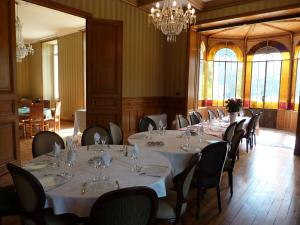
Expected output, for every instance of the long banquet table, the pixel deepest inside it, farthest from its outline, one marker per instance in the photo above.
(172, 146)
(68, 198)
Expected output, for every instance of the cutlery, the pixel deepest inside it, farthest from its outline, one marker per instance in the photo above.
(158, 165)
(83, 189)
(117, 184)
(149, 175)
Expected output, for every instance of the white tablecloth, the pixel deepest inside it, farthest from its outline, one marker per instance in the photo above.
(68, 199)
(171, 149)
(80, 120)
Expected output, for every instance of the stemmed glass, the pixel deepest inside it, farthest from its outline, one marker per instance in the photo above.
(103, 141)
(200, 132)
(97, 163)
(164, 128)
(150, 129)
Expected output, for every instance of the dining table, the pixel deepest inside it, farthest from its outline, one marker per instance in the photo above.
(24, 112)
(77, 194)
(173, 145)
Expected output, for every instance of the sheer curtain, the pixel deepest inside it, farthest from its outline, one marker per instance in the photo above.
(48, 72)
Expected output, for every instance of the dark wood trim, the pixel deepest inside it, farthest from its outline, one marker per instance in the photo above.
(61, 7)
(213, 5)
(297, 144)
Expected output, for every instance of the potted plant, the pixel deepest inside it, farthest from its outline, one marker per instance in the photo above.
(233, 106)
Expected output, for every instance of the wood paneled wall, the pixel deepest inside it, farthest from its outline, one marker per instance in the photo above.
(287, 120)
(71, 80)
(144, 47)
(133, 109)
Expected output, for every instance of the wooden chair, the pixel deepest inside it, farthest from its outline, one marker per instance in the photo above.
(88, 135)
(128, 206)
(229, 132)
(182, 121)
(221, 113)
(116, 133)
(249, 133)
(211, 114)
(194, 118)
(32, 198)
(55, 120)
(36, 119)
(144, 124)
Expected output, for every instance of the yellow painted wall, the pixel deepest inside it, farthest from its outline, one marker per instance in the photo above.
(23, 88)
(71, 80)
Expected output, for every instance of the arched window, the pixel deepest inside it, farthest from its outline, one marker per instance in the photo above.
(297, 92)
(266, 72)
(225, 70)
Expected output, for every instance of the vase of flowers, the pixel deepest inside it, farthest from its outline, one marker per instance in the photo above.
(233, 106)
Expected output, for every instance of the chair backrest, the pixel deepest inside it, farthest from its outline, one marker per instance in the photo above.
(239, 125)
(25, 102)
(182, 121)
(88, 135)
(232, 153)
(211, 114)
(221, 113)
(43, 143)
(212, 161)
(250, 126)
(57, 109)
(229, 132)
(194, 119)
(46, 103)
(182, 183)
(199, 116)
(144, 124)
(31, 196)
(128, 206)
(257, 118)
(116, 133)
(37, 112)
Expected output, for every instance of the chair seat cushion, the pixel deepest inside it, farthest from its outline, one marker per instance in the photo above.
(166, 206)
(63, 219)
(209, 182)
(8, 201)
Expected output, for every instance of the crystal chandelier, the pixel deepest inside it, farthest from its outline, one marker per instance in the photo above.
(22, 49)
(172, 19)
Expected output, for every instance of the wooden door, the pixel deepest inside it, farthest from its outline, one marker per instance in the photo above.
(104, 71)
(9, 140)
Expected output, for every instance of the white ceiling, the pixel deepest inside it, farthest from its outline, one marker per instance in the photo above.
(42, 23)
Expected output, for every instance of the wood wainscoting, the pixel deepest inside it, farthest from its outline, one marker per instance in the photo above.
(133, 109)
(287, 120)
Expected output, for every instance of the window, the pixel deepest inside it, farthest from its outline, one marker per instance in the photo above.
(55, 63)
(225, 72)
(265, 83)
(201, 73)
(297, 92)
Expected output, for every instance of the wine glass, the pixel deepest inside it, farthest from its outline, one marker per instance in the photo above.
(103, 140)
(200, 132)
(97, 163)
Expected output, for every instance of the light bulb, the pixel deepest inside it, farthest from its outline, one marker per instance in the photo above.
(157, 5)
(174, 3)
(157, 14)
(152, 10)
(189, 6)
(172, 17)
(193, 11)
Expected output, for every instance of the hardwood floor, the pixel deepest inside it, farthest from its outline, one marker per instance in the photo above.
(266, 191)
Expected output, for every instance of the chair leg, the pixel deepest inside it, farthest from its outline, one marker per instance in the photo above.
(238, 154)
(247, 145)
(230, 178)
(254, 139)
(219, 198)
(198, 202)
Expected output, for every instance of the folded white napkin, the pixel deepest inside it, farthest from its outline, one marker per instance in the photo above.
(106, 158)
(97, 138)
(150, 127)
(161, 124)
(56, 149)
(69, 142)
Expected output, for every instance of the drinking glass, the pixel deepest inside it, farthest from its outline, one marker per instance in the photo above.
(200, 132)
(164, 128)
(97, 163)
(103, 140)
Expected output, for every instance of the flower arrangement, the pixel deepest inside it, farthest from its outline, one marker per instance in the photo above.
(233, 105)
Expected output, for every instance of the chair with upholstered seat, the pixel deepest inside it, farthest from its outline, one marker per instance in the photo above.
(209, 170)
(182, 121)
(231, 157)
(43, 143)
(128, 206)
(199, 116)
(256, 125)
(32, 198)
(194, 119)
(240, 125)
(9, 205)
(229, 132)
(249, 133)
(220, 113)
(144, 124)
(88, 135)
(211, 115)
(172, 208)
(116, 133)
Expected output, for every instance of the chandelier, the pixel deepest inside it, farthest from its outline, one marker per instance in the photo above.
(172, 19)
(22, 49)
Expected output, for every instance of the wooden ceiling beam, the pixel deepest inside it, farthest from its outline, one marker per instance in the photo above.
(277, 28)
(221, 31)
